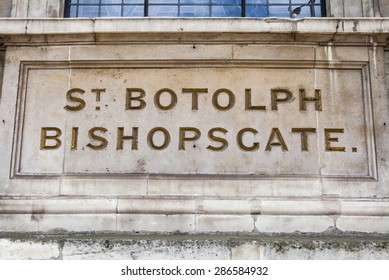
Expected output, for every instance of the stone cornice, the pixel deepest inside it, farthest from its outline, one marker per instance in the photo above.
(11, 26)
(267, 29)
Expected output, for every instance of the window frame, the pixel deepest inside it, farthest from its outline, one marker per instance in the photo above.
(242, 4)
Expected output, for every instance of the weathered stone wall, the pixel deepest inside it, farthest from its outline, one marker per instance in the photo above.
(384, 8)
(193, 247)
(353, 8)
(37, 9)
(5, 8)
(2, 61)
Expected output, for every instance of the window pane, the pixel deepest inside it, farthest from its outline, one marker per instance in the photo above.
(111, 1)
(163, 11)
(263, 2)
(226, 2)
(256, 11)
(280, 1)
(195, 1)
(194, 11)
(226, 11)
(73, 11)
(133, 11)
(163, 1)
(111, 11)
(87, 1)
(318, 11)
(133, 1)
(279, 11)
(88, 11)
(302, 2)
(307, 11)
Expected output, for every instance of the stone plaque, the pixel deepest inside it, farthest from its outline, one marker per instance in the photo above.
(96, 119)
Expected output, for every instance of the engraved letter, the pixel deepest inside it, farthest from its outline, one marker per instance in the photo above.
(103, 142)
(166, 136)
(224, 143)
(74, 138)
(45, 137)
(173, 99)
(248, 105)
(122, 137)
(231, 99)
(183, 137)
(239, 139)
(98, 92)
(304, 136)
(81, 102)
(316, 99)
(195, 95)
(139, 99)
(275, 133)
(275, 99)
(328, 139)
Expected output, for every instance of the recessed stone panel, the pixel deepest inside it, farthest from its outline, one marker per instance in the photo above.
(188, 118)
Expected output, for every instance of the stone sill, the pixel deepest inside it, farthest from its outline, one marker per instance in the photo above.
(324, 31)
(10, 26)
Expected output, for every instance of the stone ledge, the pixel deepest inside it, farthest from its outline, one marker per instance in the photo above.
(12, 26)
(172, 205)
(191, 223)
(178, 246)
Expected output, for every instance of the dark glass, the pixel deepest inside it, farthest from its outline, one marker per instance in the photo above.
(194, 8)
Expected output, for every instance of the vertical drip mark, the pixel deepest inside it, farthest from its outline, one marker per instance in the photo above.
(318, 138)
(374, 54)
(66, 122)
(117, 213)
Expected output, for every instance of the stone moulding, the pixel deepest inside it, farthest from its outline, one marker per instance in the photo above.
(26, 68)
(75, 31)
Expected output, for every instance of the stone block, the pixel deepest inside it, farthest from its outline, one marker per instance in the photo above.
(5, 8)
(384, 8)
(138, 249)
(353, 8)
(334, 249)
(290, 224)
(155, 223)
(336, 8)
(19, 223)
(20, 9)
(300, 207)
(12, 249)
(351, 189)
(365, 208)
(101, 187)
(20, 187)
(76, 223)
(248, 251)
(224, 223)
(338, 53)
(278, 53)
(213, 206)
(235, 187)
(37, 11)
(169, 52)
(368, 8)
(365, 224)
(156, 206)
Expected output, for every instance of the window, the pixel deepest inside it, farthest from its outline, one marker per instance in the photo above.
(195, 8)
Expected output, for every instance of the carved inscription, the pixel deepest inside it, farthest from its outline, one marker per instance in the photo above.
(194, 121)
(135, 101)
